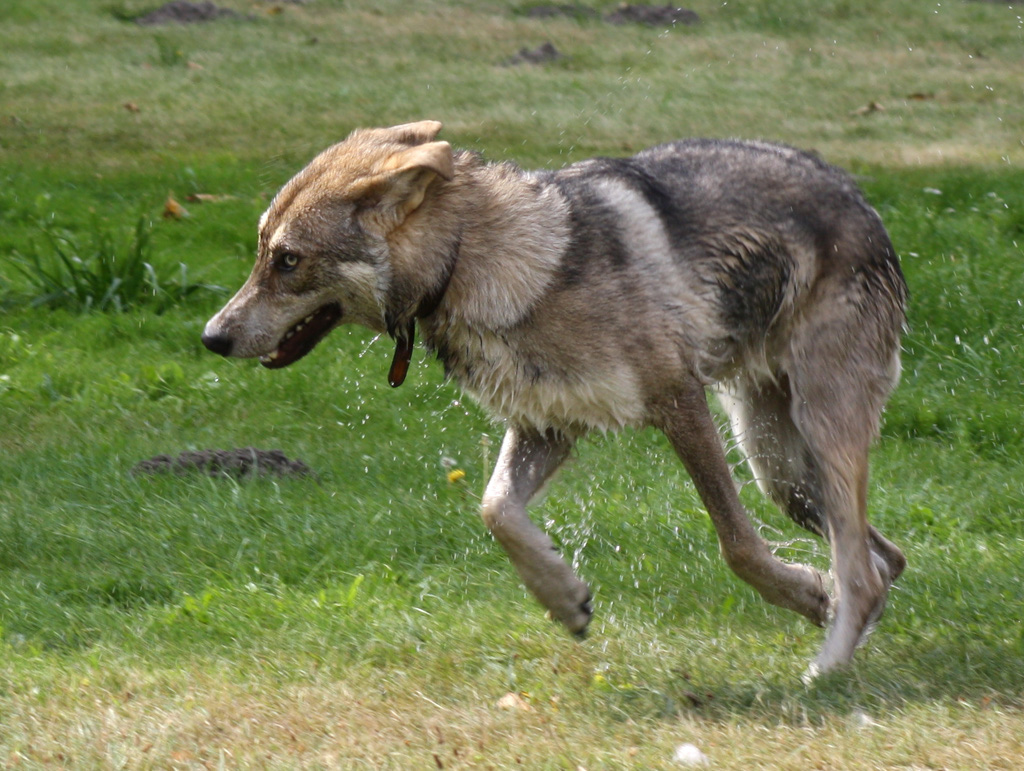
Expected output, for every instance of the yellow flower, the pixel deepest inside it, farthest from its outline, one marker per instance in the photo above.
(455, 475)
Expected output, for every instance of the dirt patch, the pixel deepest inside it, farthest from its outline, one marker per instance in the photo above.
(545, 52)
(185, 12)
(651, 15)
(551, 11)
(238, 463)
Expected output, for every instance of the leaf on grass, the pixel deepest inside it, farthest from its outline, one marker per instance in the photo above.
(512, 700)
(869, 108)
(131, 107)
(208, 198)
(174, 210)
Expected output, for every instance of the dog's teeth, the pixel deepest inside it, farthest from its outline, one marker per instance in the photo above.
(298, 327)
(269, 356)
(309, 318)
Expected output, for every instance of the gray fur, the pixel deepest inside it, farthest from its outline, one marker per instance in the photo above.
(612, 293)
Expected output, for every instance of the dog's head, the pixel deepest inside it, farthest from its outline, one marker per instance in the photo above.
(324, 256)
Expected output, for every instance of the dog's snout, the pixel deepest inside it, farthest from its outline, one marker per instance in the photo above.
(221, 344)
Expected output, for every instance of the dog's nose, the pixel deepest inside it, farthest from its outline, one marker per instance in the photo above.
(218, 343)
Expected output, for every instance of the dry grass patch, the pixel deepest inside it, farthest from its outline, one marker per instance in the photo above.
(385, 719)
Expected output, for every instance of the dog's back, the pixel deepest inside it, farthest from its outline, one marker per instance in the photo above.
(757, 224)
(694, 257)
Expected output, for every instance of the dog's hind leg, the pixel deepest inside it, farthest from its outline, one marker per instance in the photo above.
(841, 373)
(527, 459)
(686, 421)
(760, 412)
(887, 555)
(785, 470)
(821, 481)
(861, 579)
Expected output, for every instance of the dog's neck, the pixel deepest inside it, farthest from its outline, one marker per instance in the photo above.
(478, 255)
(510, 230)
(404, 338)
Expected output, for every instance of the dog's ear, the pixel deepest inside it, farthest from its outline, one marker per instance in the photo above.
(417, 133)
(432, 156)
(402, 184)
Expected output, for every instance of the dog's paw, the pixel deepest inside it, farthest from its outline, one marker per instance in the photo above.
(575, 614)
(587, 608)
(802, 590)
(819, 603)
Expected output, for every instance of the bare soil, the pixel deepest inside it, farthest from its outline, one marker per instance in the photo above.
(545, 52)
(636, 13)
(238, 463)
(186, 12)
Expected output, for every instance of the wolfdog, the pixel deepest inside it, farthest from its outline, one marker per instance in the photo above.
(616, 292)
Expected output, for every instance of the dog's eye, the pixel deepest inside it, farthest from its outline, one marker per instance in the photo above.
(287, 261)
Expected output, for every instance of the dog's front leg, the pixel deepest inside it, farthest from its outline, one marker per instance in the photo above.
(528, 458)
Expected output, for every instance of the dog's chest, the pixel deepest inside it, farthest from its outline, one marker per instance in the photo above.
(513, 382)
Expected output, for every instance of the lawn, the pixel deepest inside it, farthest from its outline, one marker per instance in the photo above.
(360, 616)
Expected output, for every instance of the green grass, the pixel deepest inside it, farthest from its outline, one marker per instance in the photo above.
(107, 273)
(363, 617)
(280, 87)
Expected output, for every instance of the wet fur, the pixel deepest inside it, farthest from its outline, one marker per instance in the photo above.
(613, 293)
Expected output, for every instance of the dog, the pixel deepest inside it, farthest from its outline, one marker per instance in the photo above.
(616, 292)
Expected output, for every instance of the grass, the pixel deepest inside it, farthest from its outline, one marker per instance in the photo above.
(106, 274)
(363, 618)
(283, 85)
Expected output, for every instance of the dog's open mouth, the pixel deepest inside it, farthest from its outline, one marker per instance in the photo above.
(303, 337)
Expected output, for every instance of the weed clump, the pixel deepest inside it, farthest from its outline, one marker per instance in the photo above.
(101, 273)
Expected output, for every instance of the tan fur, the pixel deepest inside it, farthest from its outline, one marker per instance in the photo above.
(607, 295)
